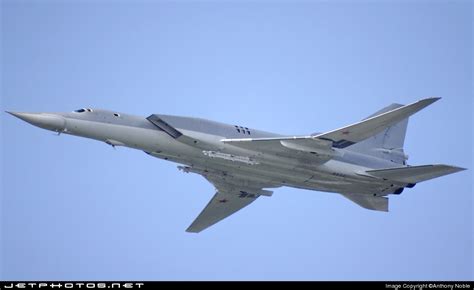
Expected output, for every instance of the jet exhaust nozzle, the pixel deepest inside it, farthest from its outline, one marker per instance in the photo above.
(399, 191)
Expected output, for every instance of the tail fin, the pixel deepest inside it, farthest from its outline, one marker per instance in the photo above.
(387, 144)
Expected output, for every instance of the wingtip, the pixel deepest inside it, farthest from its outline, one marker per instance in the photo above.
(425, 102)
(452, 167)
(431, 99)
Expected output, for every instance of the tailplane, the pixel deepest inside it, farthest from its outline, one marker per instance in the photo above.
(410, 175)
(414, 174)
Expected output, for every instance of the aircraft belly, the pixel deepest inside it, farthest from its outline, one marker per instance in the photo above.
(241, 163)
(277, 171)
(263, 172)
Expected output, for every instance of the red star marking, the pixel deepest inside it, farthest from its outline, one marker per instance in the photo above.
(345, 132)
(223, 200)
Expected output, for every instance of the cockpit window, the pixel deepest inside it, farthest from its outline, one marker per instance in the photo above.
(83, 110)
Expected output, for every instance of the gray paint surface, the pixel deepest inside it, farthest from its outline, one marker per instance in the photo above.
(241, 162)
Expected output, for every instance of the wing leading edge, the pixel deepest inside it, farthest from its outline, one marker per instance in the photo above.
(222, 205)
(232, 194)
(364, 129)
(339, 138)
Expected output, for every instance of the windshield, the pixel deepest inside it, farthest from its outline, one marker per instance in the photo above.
(83, 110)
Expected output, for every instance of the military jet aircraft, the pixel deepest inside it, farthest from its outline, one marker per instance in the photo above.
(363, 162)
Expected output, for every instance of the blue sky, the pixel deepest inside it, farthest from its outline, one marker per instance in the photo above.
(74, 208)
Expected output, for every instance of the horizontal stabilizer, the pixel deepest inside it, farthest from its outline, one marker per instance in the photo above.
(414, 174)
(369, 201)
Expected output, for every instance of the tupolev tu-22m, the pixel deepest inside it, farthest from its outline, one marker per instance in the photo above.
(363, 162)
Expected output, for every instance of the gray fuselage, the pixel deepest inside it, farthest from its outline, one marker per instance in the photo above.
(364, 161)
(208, 154)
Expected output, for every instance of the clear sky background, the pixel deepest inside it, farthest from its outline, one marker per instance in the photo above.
(74, 208)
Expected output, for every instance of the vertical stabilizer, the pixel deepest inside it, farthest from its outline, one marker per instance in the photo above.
(387, 144)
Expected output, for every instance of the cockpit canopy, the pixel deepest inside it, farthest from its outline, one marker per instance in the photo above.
(83, 110)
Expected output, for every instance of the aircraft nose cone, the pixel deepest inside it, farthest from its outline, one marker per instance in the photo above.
(18, 115)
(46, 121)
